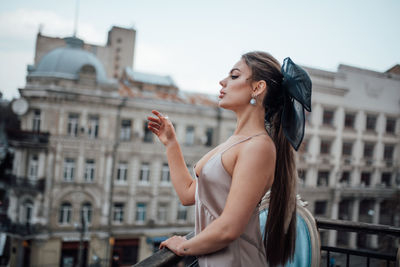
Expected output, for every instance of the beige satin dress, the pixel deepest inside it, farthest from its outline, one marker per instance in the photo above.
(212, 188)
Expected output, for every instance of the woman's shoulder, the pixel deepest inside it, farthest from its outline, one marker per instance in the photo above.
(259, 146)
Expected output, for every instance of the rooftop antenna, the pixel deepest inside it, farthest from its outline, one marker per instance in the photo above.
(76, 18)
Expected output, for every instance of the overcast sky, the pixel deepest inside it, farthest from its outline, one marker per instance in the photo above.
(197, 42)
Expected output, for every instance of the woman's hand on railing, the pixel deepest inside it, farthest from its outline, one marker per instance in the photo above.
(175, 244)
(162, 127)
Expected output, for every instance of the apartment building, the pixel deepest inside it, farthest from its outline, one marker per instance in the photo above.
(349, 161)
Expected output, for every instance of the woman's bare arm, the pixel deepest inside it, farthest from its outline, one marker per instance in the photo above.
(184, 184)
(252, 176)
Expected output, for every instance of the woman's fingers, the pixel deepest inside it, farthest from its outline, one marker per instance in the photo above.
(154, 124)
(154, 130)
(153, 119)
(159, 115)
(163, 244)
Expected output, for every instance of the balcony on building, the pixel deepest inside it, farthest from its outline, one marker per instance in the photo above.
(28, 139)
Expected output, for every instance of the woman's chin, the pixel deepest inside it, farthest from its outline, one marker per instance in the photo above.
(221, 103)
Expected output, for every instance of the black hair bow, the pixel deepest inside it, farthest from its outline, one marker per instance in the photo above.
(297, 89)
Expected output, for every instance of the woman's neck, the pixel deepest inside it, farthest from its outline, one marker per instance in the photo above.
(250, 121)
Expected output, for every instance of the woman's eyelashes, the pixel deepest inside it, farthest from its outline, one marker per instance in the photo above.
(233, 77)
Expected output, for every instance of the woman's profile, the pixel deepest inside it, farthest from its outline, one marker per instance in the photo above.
(268, 101)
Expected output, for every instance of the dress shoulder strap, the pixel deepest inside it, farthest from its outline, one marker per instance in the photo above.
(241, 141)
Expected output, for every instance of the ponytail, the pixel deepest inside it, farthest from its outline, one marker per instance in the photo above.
(280, 229)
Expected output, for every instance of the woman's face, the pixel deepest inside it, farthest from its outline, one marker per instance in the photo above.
(236, 88)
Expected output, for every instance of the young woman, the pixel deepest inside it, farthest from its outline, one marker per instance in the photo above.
(233, 177)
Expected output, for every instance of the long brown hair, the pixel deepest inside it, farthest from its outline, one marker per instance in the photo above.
(280, 229)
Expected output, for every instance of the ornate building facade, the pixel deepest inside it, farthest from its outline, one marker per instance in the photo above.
(117, 54)
(100, 166)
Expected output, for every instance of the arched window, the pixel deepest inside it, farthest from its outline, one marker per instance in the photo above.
(26, 212)
(86, 212)
(65, 213)
(88, 69)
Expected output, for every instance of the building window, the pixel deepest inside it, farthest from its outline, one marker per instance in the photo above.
(165, 177)
(345, 179)
(69, 169)
(368, 150)
(93, 126)
(390, 125)
(182, 213)
(320, 208)
(347, 148)
(86, 212)
(33, 167)
(349, 119)
(189, 136)
(388, 152)
(65, 213)
(73, 124)
(323, 178)
(27, 211)
(209, 137)
(325, 147)
(366, 178)
(386, 179)
(144, 173)
(122, 172)
(162, 213)
(36, 120)
(125, 133)
(140, 212)
(327, 118)
(148, 135)
(89, 170)
(118, 212)
(301, 173)
(371, 122)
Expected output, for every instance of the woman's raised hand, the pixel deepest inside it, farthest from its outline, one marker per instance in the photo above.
(162, 127)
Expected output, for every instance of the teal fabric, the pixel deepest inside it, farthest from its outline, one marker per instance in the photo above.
(302, 255)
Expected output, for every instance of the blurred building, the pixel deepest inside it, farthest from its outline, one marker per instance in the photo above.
(87, 158)
(349, 161)
(83, 155)
(117, 54)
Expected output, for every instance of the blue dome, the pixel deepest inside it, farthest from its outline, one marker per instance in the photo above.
(67, 62)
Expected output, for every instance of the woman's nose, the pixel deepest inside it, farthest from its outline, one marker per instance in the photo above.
(222, 83)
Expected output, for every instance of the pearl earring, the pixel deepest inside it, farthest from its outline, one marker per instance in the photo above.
(253, 100)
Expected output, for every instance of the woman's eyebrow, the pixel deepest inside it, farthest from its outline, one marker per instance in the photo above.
(234, 69)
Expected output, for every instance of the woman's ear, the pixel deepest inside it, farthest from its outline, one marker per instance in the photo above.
(259, 87)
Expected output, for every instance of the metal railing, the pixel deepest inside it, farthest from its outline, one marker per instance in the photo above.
(19, 229)
(165, 257)
(23, 183)
(359, 227)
